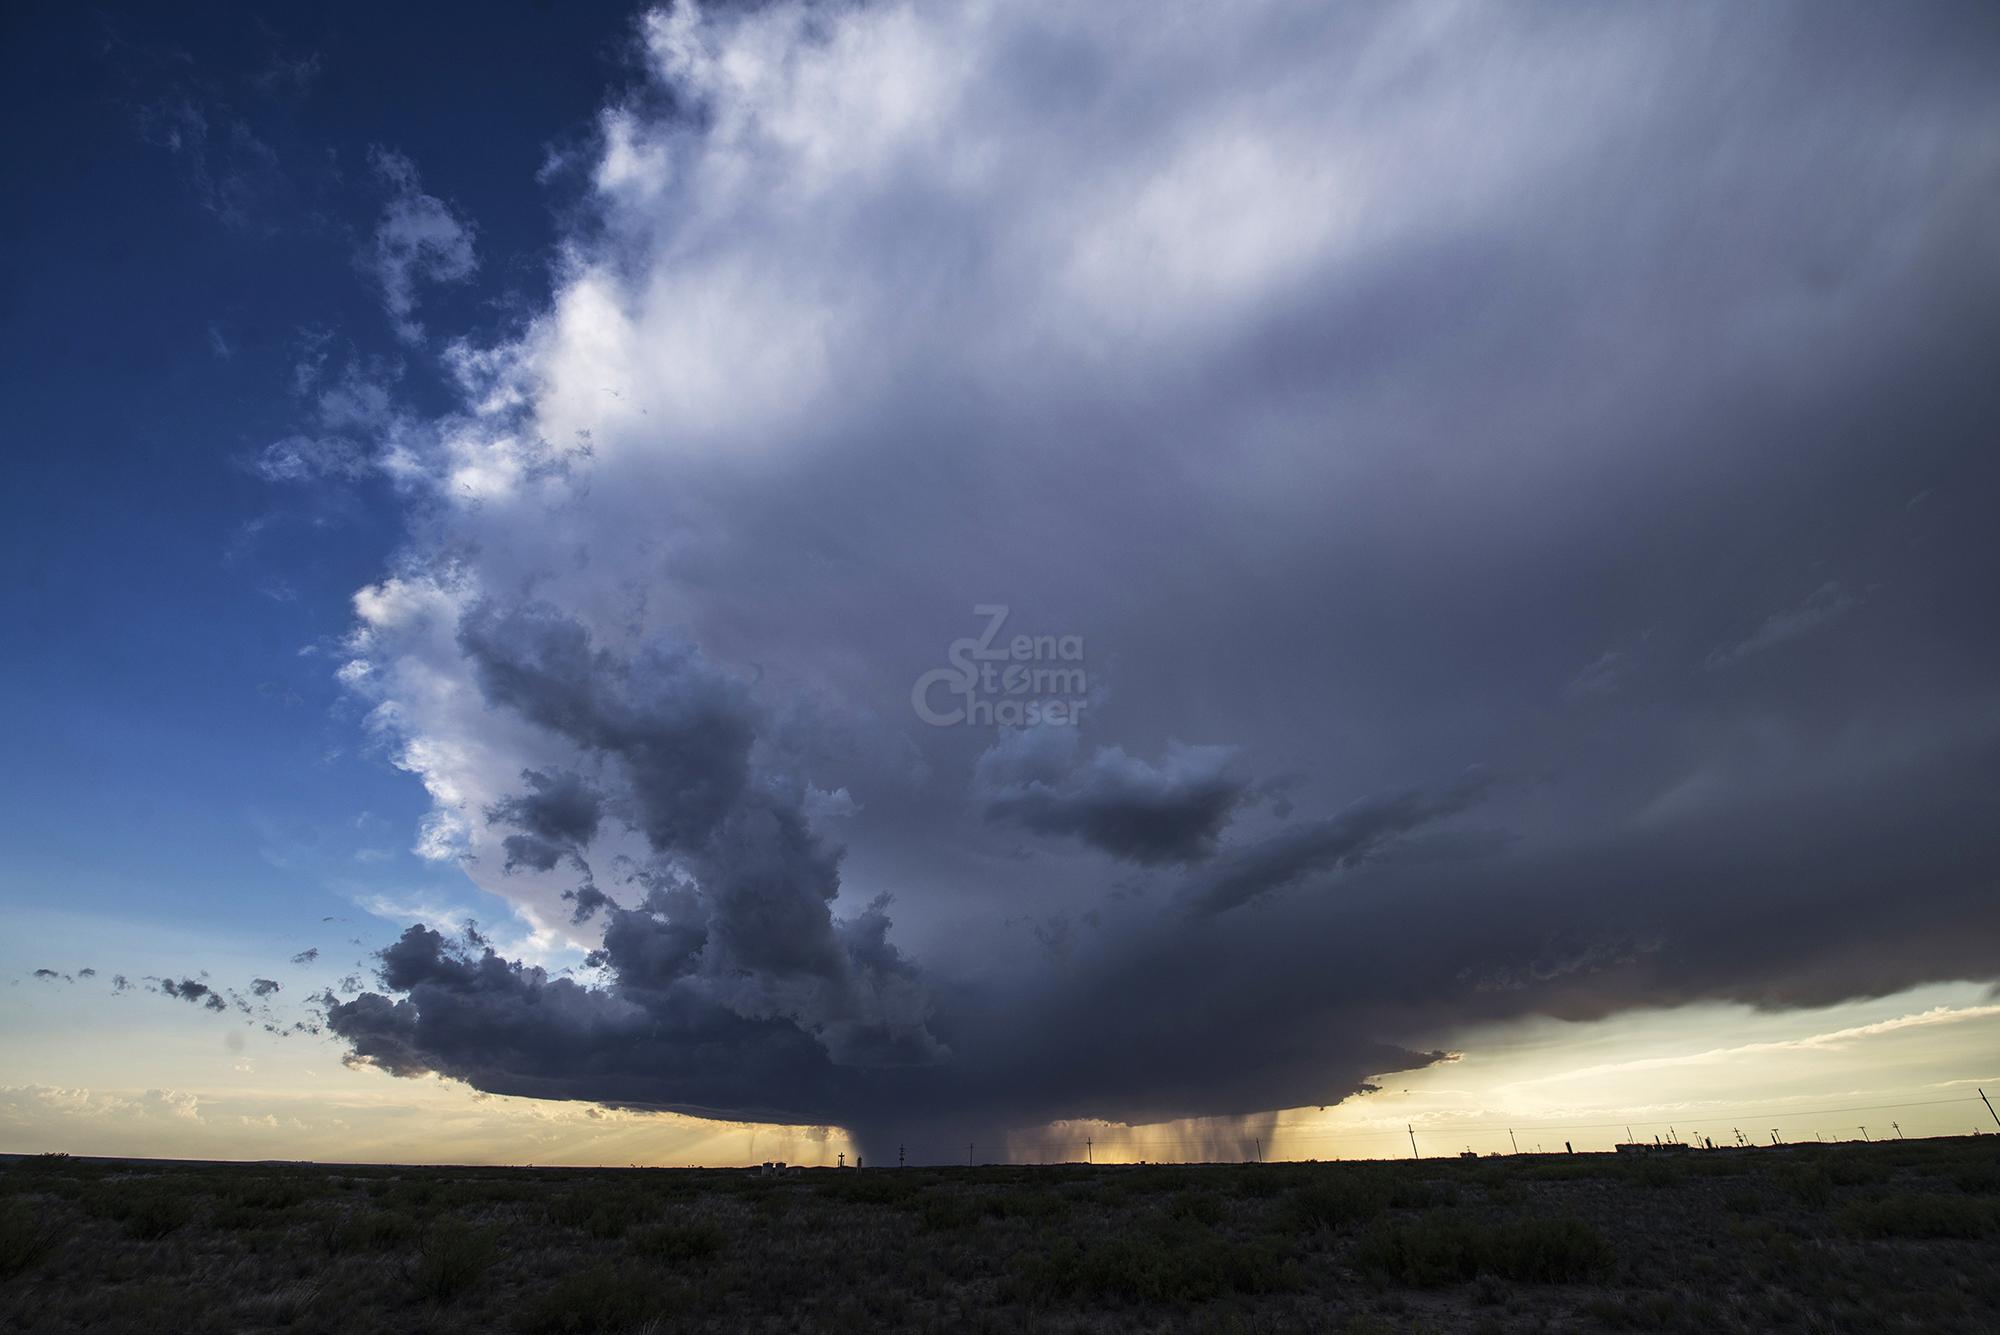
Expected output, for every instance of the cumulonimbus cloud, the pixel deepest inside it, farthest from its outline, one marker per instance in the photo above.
(1342, 379)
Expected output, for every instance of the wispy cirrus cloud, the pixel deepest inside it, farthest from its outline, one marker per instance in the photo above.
(1830, 1039)
(1822, 607)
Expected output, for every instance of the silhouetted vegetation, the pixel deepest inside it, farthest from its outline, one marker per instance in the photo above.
(1452, 1249)
(1852, 1237)
(24, 1238)
(450, 1260)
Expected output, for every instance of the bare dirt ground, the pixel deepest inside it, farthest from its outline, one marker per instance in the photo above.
(1897, 1236)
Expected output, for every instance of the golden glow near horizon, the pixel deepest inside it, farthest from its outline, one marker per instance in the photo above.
(1907, 1064)
(143, 1076)
(252, 1096)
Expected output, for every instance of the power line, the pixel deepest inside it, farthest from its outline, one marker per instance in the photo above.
(1178, 1144)
(1492, 1129)
(1715, 1117)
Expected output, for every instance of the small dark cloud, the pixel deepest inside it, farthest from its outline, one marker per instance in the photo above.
(187, 989)
(263, 987)
(682, 728)
(306, 956)
(588, 900)
(1362, 831)
(1150, 814)
(556, 816)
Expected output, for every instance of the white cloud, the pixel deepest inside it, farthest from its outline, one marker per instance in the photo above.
(419, 239)
(23, 1105)
(306, 458)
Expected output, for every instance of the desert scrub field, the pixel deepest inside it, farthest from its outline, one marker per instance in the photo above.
(1900, 1236)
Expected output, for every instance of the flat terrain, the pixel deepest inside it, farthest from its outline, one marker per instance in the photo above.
(1898, 1236)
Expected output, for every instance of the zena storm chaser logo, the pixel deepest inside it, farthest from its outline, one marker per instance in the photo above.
(995, 680)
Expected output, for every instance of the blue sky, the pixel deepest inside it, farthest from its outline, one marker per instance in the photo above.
(180, 748)
(1512, 484)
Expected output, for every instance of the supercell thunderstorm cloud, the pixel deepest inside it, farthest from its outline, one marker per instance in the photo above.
(1044, 562)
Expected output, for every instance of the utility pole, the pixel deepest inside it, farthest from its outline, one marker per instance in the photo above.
(1258, 1141)
(968, 1154)
(899, 1156)
(1864, 1133)
(1989, 1107)
(1413, 1141)
(1089, 1149)
(1511, 1141)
